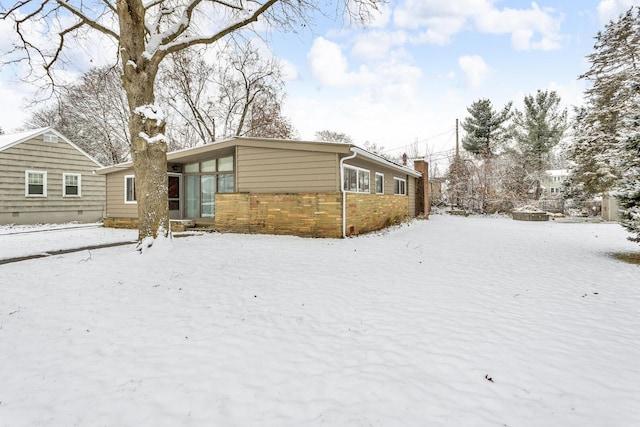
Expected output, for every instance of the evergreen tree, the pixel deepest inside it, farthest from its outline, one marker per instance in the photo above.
(486, 131)
(537, 131)
(485, 128)
(605, 146)
(628, 187)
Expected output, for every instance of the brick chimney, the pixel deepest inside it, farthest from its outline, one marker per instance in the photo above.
(423, 207)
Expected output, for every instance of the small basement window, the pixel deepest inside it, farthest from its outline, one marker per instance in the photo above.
(35, 184)
(71, 185)
(400, 186)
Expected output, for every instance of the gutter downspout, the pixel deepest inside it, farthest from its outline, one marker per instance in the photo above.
(344, 192)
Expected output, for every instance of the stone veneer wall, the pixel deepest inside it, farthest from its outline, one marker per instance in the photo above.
(370, 212)
(298, 214)
(132, 223)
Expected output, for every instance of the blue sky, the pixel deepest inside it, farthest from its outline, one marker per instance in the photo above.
(418, 66)
(421, 64)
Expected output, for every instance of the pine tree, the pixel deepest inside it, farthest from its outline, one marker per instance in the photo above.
(628, 187)
(486, 131)
(485, 128)
(605, 146)
(537, 131)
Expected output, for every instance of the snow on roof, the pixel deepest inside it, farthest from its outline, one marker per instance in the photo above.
(557, 172)
(10, 140)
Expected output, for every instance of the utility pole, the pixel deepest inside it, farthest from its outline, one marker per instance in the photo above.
(457, 143)
(456, 171)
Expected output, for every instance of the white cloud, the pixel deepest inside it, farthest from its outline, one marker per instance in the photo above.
(437, 22)
(330, 67)
(440, 30)
(609, 10)
(12, 117)
(523, 24)
(381, 19)
(476, 71)
(377, 45)
(414, 14)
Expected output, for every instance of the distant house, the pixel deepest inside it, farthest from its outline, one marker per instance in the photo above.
(45, 178)
(253, 185)
(552, 183)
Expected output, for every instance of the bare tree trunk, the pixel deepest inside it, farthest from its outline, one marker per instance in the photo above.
(146, 125)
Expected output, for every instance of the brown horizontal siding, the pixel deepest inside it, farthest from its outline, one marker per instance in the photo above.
(270, 170)
(411, 195)
(116, 207)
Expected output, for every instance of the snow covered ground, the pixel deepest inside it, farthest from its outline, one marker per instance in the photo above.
(447, 322)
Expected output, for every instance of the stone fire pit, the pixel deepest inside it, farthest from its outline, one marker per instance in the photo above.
(530, 216)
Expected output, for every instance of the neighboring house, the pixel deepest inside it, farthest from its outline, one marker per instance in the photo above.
(253, 185)
(45, 178)
(552, 183)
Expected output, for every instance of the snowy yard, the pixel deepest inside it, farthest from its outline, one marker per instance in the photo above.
(447, 322)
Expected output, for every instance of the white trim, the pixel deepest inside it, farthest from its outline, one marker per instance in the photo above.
(344, 193)
(404, 186)
(64, 185)
(375, 184)
(26, 183)
(8, 141)
(358, 170)
(50, 137)
(134, 201)
(380, 159)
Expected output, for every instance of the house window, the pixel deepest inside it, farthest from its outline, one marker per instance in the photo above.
(203, 181)
(130, 189)
(399, 186)
(49, 137)
(356, 180)
(35, 184)
(71, 185)
(379, 183)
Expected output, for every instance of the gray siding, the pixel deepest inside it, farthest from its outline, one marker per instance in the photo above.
(116, 207)
(55, 159)
(273, 170)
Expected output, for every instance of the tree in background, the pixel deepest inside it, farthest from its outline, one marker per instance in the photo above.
(333, 136)
(187, 86)
(485, 129)
(628, 187)
(537, 131)
(93, 112)
(251, 93)
(486, 133)
(605, 148)
(145, 34)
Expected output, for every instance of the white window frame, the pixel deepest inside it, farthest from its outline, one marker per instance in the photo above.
(50, 137)
(64, 185)
(403, 186)
(26, 183)
(126, 188)
(358, 171)
(375, 183)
